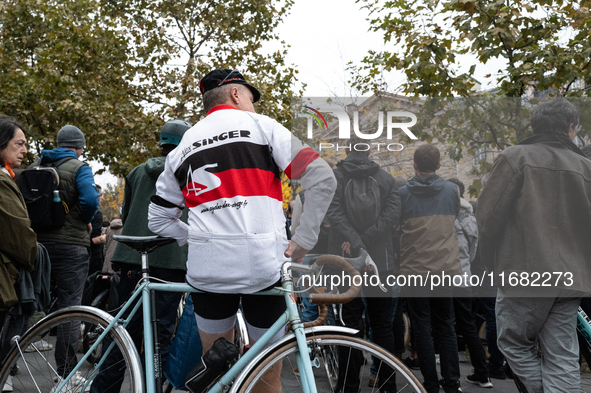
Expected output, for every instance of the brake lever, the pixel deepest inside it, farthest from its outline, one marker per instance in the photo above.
(370, 263)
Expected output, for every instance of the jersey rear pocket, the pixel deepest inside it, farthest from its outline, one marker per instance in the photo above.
(232, 263)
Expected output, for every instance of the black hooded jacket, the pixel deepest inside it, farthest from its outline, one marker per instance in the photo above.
(377, 239)
(428, 240)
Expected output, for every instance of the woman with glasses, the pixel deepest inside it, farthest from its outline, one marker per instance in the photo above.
(18, 242)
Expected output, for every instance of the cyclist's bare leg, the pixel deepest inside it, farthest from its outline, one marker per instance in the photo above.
(271, 382)
(207, 339)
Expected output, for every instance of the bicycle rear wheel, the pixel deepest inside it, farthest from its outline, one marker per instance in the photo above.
(30, 367)
(330, 355)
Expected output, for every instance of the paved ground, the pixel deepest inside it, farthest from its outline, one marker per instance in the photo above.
(501, 386)
(289, 379)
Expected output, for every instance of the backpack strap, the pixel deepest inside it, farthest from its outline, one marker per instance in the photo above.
(47, 161)
(61, 161)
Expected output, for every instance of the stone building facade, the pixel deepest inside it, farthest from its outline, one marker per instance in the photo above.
(383, 150)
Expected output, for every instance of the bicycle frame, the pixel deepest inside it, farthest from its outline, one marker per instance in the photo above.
(584, 324)
(143, 295)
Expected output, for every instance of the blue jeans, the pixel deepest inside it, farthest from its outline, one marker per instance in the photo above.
(436, 314)
(109, 378)
(69, 268)
(309, 312)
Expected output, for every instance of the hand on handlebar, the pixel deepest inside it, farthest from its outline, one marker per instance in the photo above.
(296, 252)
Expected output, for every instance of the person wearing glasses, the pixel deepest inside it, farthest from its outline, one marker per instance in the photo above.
(226, 171)
(18, 243)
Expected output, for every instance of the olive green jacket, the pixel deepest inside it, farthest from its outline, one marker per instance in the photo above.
(18, 242)
(140, 185)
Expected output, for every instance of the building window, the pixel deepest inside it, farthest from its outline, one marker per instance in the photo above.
(480, 154)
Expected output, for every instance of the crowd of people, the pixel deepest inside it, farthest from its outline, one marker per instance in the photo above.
(216, 188)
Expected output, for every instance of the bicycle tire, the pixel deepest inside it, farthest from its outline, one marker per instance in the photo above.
(324, 376)
(37, 370)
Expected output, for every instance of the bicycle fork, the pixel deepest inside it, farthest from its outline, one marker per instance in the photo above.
(303, 355)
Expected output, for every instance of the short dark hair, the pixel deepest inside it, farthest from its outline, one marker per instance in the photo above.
(8, 127)
(586, 151)
(354, 141)
(554, 117)
(427, 158)
(460, 185)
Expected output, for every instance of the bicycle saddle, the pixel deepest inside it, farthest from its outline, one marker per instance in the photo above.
(144, 244)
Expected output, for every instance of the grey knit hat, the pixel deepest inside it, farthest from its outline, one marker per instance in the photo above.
(71, 136)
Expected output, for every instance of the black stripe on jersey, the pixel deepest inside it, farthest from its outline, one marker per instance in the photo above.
(158, 200)
(236, 155)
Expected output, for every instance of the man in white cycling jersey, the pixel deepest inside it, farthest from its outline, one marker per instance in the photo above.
(226, 170)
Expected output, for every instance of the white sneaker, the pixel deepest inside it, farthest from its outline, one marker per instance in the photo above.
(8, 384)
(41, 346)
(74, 385)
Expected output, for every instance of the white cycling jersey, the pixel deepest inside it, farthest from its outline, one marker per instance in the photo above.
(226, 171)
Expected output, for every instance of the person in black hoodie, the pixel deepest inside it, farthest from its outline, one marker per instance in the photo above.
(429, 246)
(348, 233)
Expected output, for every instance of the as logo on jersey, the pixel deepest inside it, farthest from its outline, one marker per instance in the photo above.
(200, 181)
(238, 169)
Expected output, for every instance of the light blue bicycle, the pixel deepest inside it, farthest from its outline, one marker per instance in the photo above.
(312, 358)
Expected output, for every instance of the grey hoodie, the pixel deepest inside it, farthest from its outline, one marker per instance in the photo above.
(467, 231)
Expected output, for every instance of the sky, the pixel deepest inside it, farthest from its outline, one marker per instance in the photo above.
(324, 36)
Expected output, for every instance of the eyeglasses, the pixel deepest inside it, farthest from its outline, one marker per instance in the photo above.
(227, 76)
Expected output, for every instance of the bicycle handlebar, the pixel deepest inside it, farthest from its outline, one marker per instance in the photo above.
(336, 298)
(331, 298)
(322, 315)
(352, 266)
(363, 261)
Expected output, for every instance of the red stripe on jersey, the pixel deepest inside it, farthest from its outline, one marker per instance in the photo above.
(219, 108)
(235, 182)
(301, 161)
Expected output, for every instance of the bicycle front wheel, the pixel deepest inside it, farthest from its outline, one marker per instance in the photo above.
(336, 361)
(53, 347)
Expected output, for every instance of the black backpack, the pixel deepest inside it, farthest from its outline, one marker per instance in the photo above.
(37, 184)
(363, 202)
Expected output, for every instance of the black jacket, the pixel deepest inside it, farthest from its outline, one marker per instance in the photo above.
(534, 215)
(377, 239)
(428, 240)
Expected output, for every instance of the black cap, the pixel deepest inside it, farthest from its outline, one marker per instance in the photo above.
(218, 78)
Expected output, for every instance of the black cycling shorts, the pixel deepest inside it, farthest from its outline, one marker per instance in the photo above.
(259, 311)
